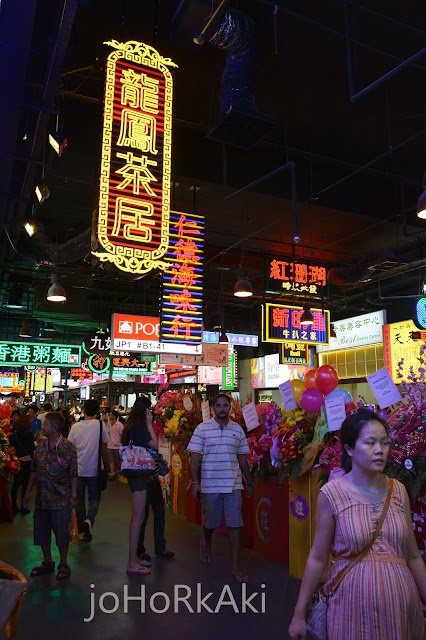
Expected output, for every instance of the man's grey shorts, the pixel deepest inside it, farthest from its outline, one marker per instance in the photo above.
(47, 519)
(216, 504)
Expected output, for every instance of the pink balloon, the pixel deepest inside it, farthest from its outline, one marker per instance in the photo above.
(326, 378)
(311, 400)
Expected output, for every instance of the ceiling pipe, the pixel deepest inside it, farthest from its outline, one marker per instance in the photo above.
(351, 74)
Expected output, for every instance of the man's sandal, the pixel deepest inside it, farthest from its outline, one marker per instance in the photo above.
(64, 572)
(44, 568)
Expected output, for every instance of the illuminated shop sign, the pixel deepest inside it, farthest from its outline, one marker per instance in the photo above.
(358, 331)
(399, 345)
(294, 353)
(9, 382)
(282, 324)
(257, 369)
(97, 342)
(83, 372)
(182, 291)
(124, 362)
(229, 372)
(237, 339)
(140, 334)
(99, 364)
(132, 225)
(29, 353)
(285, 275)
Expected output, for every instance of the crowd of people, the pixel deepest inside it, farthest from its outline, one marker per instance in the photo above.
(377, 579)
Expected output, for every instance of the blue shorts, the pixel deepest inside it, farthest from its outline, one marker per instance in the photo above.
(47, 519)
(216, 504)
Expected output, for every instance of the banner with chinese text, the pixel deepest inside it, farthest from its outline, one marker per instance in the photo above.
(287, 275)
(132, 224)
(282, 324)
(398, 345)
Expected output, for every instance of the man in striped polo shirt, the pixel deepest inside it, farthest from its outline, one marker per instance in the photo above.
(224, 447)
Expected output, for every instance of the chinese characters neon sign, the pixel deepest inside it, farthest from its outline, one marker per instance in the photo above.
(29, 353)
(132, 224)
(182, 299)
(282, 324)
(284, 275)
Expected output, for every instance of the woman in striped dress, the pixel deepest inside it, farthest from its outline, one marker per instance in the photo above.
(379, 598)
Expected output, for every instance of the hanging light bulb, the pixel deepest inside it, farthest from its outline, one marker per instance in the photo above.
(56, 291)
(307, 317)
(223, 338)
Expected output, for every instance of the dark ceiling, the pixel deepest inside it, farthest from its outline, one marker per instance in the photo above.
(358, 162)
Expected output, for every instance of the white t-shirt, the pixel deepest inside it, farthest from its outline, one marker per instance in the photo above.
(85, 437)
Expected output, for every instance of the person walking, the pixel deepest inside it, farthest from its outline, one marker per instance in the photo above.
(23, 442)
(54, 470)
(114, 443)
(379, 596)
(138, 428)
(224, 447)
(85, 436)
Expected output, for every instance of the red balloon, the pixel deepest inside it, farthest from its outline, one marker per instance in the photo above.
(326, 378)
(5, 410)
(309, 379)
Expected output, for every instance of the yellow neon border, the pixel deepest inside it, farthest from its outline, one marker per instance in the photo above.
(127, 258)
(265, 323)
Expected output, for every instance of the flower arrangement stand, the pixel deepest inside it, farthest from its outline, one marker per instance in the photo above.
(303, 495)
(247, 511)
(270, 506)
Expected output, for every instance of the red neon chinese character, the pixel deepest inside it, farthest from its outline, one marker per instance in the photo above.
(180, 226)
(301, 273)
(280, 317)
(295, 318)
(182, 323)
(275, 270)
(319, 321)
(186, 250)
(183, 301)
(318, 275)
(183, 274)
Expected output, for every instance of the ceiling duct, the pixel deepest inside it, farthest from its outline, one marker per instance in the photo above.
(363, 270)
(240, 123)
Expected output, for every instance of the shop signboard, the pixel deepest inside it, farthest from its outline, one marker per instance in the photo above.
(214, 355)
(182, 287)
(257, 367)
(281, 323)
(9, 382)
(140, 334)
(287, 275)
(236, 339)
(99, 364)
(210, 375)
(36, 354)
(294, 353)
(399, 344)
(127, 363)
(97, 342)
(275, 373)
(229, 372)
(132, 223)
(358, 331)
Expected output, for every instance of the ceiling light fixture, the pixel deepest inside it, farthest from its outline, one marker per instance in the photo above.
(58, 141)
(307, 317)
(49, 327)
(421, 205)
(243, 288)
(42, 192)
(25, 330)
(223, 338)
(56, 291)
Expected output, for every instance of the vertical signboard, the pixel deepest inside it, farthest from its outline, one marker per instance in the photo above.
(182, 292)
(228, 373)
(132, 223)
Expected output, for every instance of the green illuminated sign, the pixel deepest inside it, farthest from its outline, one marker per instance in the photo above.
(228, 372)
(36, 354)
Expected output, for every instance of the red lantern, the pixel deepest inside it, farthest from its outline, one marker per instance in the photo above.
(326, 378)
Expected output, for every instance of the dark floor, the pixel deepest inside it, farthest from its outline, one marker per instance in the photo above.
(57, 609)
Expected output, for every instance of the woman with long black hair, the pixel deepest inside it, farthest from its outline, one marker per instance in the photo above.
(138, 429)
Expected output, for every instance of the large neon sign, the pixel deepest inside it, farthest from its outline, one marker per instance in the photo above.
(132, 225)
(182, 293)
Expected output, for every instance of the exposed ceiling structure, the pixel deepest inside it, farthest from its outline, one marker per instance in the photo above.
(358, 156)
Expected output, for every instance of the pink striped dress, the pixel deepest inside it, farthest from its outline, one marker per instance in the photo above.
(378, 598)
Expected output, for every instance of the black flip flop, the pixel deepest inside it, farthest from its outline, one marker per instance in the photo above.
(43, 569)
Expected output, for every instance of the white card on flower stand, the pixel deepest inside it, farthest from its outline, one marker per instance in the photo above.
(205, 410)
(335, 410)
(287, 394)
(250, 416)
(384, 388)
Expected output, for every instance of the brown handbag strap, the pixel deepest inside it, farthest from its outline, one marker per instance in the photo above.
(370, 544)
